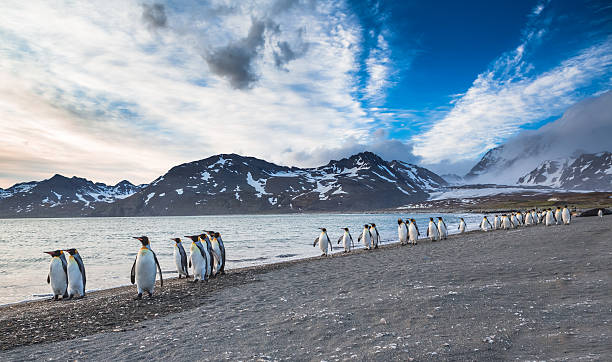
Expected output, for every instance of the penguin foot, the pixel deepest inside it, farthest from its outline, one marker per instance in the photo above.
(55, 297)
(138, 297)
(150, 294)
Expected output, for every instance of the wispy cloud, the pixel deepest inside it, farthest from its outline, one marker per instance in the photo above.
(379, 69)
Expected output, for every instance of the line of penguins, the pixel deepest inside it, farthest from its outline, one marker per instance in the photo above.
(206, 259)
(531, 217)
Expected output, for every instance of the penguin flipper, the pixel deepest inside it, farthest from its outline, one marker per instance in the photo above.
(359, 237)
(48, 279)
(161, 278)
(340, 238)
(82, 269)
(133, 273)
(315, 242)
(352, 242)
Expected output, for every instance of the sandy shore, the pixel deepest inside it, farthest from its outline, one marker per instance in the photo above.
(530, 293)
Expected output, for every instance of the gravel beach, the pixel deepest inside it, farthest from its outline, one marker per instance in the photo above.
(540, 293)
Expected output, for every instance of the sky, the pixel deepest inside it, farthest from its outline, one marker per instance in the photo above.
(122, 89)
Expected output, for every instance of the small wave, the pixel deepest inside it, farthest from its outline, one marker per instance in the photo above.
(286, 255)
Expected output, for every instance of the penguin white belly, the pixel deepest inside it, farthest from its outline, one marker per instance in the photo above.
(57, 277)
(346, 242)
(566, 216)
(558, 217)
(484, 225)
(433, 231)
(208, 266)
(145, 271)
(198, 264)
(462, 227)
(413, 234)
(323, 243)
(75, 279)
(442, 230)
(496, 223)
(217, 252)
(177, 261)
(365, 237)
(528, 219)
(549, 218)
(402, 232)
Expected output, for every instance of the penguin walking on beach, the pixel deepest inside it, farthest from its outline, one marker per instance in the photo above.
(600, 214)
(58, 274)
(143, 270)
(217, 236)
(347, 240)
(496, 223)
(515, 219)
(462, 226)
(180, 258)
(506, 222)
(216, 247)
(432, 230)
(528, 218)
(365, 237)
(324, 243)
(76, 274)
(485, 225)
(550, 217)
(205, 241)
(566, 215)
(402, 231)
(558, 215)
(375, 235)
(413, 232)
(442, 229)
(198, 259)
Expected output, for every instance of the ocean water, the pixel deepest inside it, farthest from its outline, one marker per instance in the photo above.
(108, 251)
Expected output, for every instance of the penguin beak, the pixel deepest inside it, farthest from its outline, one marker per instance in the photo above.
(48, 252)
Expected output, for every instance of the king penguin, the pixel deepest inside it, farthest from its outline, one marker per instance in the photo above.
(600, 214)
(143, 270)
(180, 258)
(550, 217)
(197, 259)
(506, 222)
(222, 247)
(76, 274)
(365, 237)
(442, 229)
(347, 240)
(324, 243)
(496, 223)
(375, 235)
(413, 232)
(432, 230)
(566, 215)
(58, 274)
(485, 225)
(205, 240)
(402, 231)
(528, 218)
(558, 215)
(462, 226)
(218, 253)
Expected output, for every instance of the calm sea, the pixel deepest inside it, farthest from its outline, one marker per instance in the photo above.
(108, 250)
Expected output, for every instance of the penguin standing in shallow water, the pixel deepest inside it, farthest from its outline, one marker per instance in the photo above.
(197, 259)
(432, 230)
(566, 215)
(58, 274)
(324, 242)
(402, 231)
(143, 270)
(375, 235)
(462, 226)
(365, 237)
(485, 225)
(76, 274)
(180, 258)
(442, 229)
(413, 232)
(347, 240)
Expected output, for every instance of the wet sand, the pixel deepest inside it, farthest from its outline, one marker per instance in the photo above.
(529, 293)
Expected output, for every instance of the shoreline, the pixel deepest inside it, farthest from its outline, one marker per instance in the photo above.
(524, 293)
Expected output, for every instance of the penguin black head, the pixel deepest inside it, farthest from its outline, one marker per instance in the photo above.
(366, 226)
(71, 251)
(431, 219)
(345, 229)
(439, 218)
(373, 225)
(461, 218)
(203, 236)
(323, 230)
(400, 221)
(565, 206)
(53, 253)
(413, 220)
(217, 234)
(210, 232)
(192, 237)
(143, 239)
(177, 240)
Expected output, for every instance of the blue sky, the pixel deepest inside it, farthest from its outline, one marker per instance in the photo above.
(128, 89)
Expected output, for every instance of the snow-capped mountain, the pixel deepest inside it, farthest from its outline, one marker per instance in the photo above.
(230, 183)
(60, 196)
(586, 172)
(492, 161)
(453, 179)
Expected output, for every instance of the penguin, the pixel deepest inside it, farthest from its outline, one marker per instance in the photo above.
(485, 225)
(222, 247)
(550, 217)
(180, 258)
(442, 229)
(324, 242)
(205, 241)
(76, 274)
(558, 215)
(534, 217)
(58, 274)
(345, 240)
(198, 259)
(375, 235)
(600, 214)
(528, 218)
(216, 248)
(496, 223)
(432, 230)
(402, 231)
(413, 232)
(506, 222)
(366, 237)
(462, 226)
(514, 219)
(143, 270)
(215, 255)
(566, 215)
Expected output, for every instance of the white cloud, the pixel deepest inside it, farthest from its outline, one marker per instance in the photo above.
(94, 91)
(379, 69)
